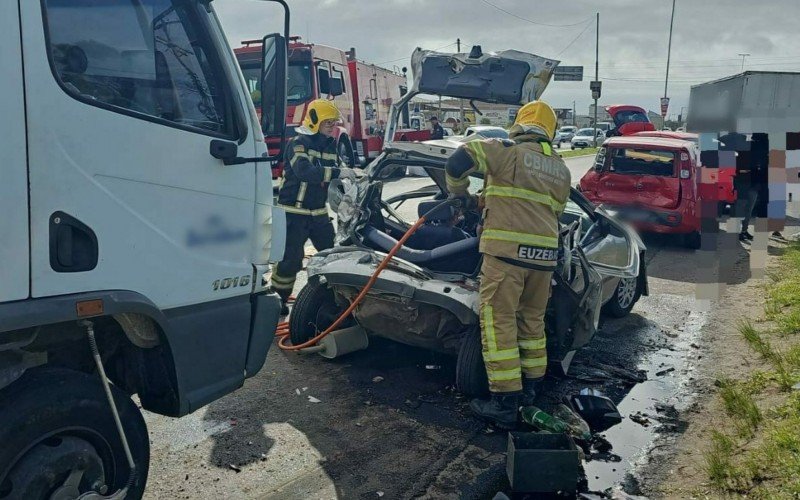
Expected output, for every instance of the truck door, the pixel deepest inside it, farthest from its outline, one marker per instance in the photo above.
(14, 242)
(123, 100)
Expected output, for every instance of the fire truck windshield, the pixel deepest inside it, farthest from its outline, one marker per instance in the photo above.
(298, 86)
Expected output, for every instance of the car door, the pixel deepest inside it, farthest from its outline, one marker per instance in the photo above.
(123, 99)
(613, 188)
(611, 246)
(14, 242)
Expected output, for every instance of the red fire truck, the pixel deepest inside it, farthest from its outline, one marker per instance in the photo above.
(363, 92)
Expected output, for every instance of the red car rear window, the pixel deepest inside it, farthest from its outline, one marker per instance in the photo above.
(629, 161)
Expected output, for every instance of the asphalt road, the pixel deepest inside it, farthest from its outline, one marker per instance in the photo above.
(386, 423)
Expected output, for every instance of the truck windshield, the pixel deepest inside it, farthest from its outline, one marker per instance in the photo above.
(298, 86)
(643, 162)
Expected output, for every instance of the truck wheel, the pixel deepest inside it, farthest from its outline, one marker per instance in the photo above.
(314, 310)
(60, 440)
(345, 150)
(471, 379)
(626, 294)
(692, 240)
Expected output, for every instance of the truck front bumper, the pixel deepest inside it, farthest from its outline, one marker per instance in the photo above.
(266, 310)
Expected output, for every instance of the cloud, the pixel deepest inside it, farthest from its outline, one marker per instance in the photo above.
(707, 37)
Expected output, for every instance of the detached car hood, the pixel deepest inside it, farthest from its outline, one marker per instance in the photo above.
(507, 77)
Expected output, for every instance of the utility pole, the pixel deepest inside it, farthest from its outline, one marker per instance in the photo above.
(665, 100)
(460, 101)
(596, 72)
(573, 113)
(743, 57)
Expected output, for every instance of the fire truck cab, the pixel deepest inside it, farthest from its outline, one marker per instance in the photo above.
(363, 92)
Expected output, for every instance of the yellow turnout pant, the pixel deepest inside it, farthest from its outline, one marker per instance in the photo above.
(513, 304)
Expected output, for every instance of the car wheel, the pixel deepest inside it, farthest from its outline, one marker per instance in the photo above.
(692, 240)
(314, 310)
(471, 378)
(626, 294)
(572, 147)
(60, 439)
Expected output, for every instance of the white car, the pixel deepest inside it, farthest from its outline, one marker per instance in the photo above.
(583, 138)
(487, 131)
(565, 134)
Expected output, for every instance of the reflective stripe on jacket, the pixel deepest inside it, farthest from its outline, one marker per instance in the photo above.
(527, 187)
(310, 164)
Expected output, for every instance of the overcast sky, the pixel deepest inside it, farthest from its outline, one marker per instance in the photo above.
(707, 37)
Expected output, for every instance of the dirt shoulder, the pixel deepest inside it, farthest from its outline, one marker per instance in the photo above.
(679, 467)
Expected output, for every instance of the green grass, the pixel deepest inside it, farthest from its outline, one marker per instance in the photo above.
(578, 152)
(757, 341)
(756, 452)
(740, 405)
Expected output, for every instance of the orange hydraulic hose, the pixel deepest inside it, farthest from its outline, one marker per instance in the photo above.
(283, 328)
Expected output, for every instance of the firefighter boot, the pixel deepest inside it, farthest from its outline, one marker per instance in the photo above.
(500, 410)
(530, 388)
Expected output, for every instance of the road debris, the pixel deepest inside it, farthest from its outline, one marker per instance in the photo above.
(596, 409)
(542, 463)
(235, 468)
(312, 399)
(641, 419)
(664, 372)
(377, 379)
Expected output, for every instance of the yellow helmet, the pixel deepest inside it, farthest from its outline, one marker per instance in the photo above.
(537, 115)
(318, 111)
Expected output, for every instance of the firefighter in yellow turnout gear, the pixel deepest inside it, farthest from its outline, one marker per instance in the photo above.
(526, 189)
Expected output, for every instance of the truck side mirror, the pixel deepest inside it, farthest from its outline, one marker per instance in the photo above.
(273, 89)
(336, 87)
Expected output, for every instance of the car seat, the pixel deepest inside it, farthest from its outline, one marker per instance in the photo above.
(438, 229)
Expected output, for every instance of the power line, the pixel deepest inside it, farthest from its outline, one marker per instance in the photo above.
(487, 2)
(589, 23)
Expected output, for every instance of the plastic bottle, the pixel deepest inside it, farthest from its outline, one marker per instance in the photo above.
(542, 420)
(578, 427)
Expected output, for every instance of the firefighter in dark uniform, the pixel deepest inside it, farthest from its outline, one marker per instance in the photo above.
(311, 162)
(527, 186)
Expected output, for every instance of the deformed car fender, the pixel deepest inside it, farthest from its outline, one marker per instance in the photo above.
(353, 266)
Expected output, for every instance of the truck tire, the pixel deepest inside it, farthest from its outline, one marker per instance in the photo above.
(626, 294)
(471, 379)
(345, 151)
(314, 310)
(58, 432)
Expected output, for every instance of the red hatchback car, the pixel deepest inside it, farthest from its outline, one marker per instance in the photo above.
(715, 184)
(650, 182)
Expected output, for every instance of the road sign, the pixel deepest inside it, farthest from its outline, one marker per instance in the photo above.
(595, 86)
(568, 73)
(664, 106)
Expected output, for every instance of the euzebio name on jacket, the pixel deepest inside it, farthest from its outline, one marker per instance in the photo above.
(537, 253)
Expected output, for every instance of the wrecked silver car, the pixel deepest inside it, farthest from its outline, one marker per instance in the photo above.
(428, 296)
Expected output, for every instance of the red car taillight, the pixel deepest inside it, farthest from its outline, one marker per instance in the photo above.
(686, 166)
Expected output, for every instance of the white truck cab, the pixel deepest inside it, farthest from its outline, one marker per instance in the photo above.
(138, 224)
